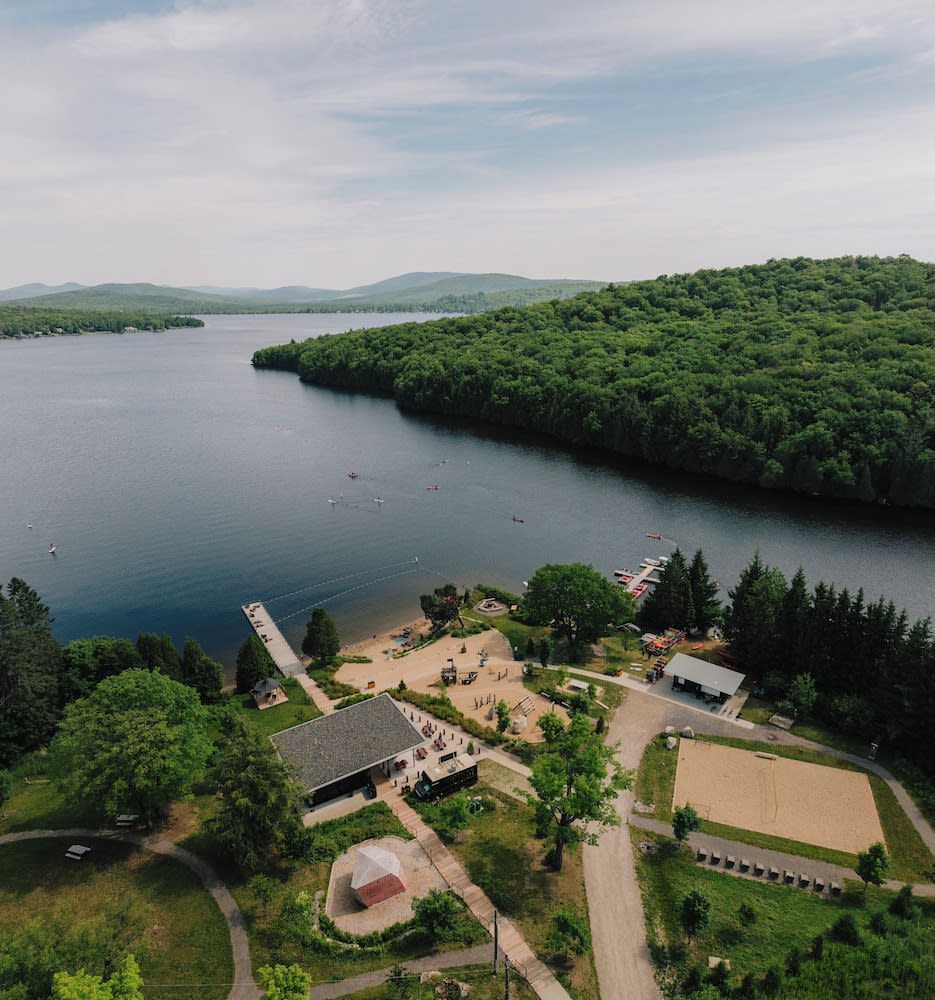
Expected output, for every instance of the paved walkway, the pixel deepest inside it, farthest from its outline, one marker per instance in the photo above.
(244, 987)
(446, 960)
(512, 944)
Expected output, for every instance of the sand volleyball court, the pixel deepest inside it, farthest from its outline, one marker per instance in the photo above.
(787, 798)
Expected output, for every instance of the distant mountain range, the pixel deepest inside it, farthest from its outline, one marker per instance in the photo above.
(430, 291)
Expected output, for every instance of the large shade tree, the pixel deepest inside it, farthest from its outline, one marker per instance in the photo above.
(576, 600)
(576, 780)
(30, 665)
(136, 743)
(259, 812)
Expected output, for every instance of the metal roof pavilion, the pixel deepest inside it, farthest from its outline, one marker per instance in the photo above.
(717, 680)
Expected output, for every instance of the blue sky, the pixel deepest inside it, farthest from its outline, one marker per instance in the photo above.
(336, 142)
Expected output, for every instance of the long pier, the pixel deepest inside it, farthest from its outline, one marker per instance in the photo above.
(276, 645)
(283, 655)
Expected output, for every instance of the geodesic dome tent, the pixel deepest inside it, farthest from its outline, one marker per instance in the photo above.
(378, 875)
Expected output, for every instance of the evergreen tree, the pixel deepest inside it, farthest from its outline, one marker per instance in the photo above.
(30, 665)
(259, 812)
(793, 625)
(704, 593)
(202, 673)
(750, 618)
(321, 638)
(670, 601)
(254, 663)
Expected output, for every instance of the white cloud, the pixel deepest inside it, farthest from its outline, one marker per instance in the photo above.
(279, 141)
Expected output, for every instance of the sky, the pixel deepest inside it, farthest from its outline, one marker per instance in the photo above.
(332, 143)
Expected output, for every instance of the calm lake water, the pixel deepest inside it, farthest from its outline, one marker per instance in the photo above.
(177, 483)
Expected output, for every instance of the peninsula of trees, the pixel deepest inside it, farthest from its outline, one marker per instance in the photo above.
(27, 321)
(814, 376)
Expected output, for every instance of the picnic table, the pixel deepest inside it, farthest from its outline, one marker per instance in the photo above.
(76, 852)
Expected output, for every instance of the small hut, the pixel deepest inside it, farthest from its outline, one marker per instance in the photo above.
(378, 875)
(268, 692)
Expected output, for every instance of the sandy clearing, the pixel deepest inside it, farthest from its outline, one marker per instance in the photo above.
(501, 677)
(810, 803)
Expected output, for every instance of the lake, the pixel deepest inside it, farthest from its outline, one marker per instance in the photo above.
(177, 483)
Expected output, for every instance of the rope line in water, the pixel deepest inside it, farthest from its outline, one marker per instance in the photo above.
(338, 579)
(413, 568)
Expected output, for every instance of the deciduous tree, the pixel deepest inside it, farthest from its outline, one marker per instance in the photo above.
(441, 606)
(576, 782)
(695, 913)
(684, 821)
(284, 982)
(137, 742)
(873, 865)
(576, 600)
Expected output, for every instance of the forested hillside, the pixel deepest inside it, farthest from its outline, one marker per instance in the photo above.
(21, 321)
(797, 374)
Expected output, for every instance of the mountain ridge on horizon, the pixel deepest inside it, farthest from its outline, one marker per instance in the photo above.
(430, 290)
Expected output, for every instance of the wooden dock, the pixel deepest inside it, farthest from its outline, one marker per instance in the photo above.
(287, 663)
(282, 653)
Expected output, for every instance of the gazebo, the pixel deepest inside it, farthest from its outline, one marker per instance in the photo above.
(268, 692)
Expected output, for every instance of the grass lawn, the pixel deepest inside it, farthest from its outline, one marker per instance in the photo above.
(784, 917)
(502, 856)
(299, 708)
(119, 897)
(484, 986)
(909, 857)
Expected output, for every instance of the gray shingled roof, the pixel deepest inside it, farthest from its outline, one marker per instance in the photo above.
(347, 741)
(708, 675)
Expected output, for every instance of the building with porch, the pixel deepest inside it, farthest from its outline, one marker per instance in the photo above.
(333, 754)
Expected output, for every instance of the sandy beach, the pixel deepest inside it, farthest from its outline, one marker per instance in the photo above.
(499, 678)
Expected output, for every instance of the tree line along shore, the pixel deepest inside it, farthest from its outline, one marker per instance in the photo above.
(804, 375)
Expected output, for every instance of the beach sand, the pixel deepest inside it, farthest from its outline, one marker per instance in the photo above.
(500, 678)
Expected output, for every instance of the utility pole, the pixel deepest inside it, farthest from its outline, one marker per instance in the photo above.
(496, 940)
(506, 979)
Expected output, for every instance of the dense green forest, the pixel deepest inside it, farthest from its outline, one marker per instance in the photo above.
(25, 321)
(807, 375)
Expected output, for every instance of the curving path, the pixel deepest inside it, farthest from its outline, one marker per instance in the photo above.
(244, 987)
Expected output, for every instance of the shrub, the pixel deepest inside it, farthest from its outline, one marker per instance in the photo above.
(903, 906)
(845, 930)
(747, 914)
(772, 982)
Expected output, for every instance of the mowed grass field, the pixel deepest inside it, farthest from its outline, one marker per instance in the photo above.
(122, 895)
